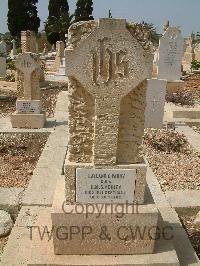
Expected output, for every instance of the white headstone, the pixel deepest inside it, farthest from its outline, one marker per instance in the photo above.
(155, 102)
(170, 55)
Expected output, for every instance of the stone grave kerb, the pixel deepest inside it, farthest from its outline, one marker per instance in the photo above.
(109, 64)
(27, 65)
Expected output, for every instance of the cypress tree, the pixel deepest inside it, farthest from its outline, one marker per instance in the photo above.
(84, 9)
(58, 21)
(58, 7)
(22, 16)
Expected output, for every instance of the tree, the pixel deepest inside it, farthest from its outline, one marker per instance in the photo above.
(84, 9)
(58, 20)
(154, 35)
(56, 28)
(22, 16)
(58, 7)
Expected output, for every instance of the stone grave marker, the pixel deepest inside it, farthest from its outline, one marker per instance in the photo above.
(170, 55)
(3, 48)
(13, 52)
(28, 106)
(155, 102)
(2, 66)
(108, 64)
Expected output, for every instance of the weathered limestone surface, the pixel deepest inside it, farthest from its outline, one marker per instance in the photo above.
(28, 41)
(110, 62)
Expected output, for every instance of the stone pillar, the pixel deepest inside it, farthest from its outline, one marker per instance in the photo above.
(28, 41)
(60, 49)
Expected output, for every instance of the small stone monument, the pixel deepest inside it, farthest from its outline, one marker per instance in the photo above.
(28, 41)
(60, 49)
(197, 52)
(2, 66)
(188, 56)
(3, 48)
(170, 55)
(28, 106)
(13, 52)
(3, 53)
(155, 102)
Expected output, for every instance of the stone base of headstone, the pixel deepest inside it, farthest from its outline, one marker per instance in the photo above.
(82, 229)
(32, 121)
(42, 252)
(175, 86)
(140, 178)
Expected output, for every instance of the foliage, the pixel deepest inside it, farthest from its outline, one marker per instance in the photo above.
(195, 65)
(22, 16)
(56, 28)
(84, 9)
(59, 21)
(10, 64)
(2, 54)
(10, 77)
(154, 35)
(58, 7)
(166, 140)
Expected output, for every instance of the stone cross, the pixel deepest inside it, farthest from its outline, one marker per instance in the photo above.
(108, 69)
(26, 64)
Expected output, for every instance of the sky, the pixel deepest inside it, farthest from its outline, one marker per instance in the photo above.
(183, 13)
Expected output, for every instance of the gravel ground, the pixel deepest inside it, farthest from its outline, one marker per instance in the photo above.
(174, 162)
(19, 154)
(193, 232)
(190, 95)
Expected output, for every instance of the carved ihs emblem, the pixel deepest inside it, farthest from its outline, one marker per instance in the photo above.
(108, 65)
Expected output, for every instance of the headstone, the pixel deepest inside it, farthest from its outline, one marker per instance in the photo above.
(155, 102)
(45, 50)
(2, 66)
(28, 41)
(13, 52)
(60, 49)
(170, 54)
(197, 52)
(188, 55)
(108, 63)
(28, 107)
(3, 49)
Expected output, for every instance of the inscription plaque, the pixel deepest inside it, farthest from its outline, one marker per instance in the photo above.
(105, 185)
(28, 106)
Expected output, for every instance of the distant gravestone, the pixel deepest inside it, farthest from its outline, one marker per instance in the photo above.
(13, 52)
(155, 102)
(28, 106)
(3, 48)
(2, 66)
(170, 54)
